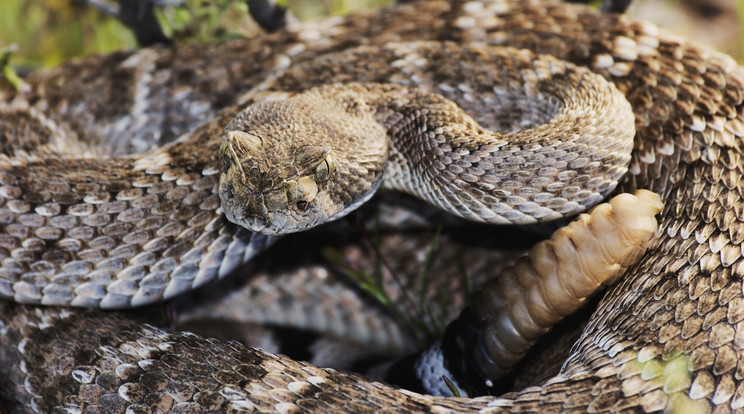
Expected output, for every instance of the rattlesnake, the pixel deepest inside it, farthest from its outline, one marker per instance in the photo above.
(681, 302)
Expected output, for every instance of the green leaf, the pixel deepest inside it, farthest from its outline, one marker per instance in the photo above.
(10, 75)
(451, 386)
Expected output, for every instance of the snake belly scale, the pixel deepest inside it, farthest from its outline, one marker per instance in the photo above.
(683, 301)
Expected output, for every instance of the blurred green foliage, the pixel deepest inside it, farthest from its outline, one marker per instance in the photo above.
(48, 32)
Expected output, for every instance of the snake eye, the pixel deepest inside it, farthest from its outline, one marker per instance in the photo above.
(302, 205)
(326, 167)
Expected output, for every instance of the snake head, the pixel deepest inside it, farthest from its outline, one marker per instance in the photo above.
(260, 194)
(289, 165)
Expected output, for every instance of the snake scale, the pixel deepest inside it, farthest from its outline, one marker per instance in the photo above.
(666, 335)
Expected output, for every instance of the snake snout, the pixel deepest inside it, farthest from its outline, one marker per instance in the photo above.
(246, 209)
(255, 216)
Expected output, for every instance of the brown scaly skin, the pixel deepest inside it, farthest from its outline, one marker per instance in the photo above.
(313, 157)
(664, 336)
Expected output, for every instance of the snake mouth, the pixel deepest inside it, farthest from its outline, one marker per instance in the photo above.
(252, 223)
(257, 225)
(253, 215)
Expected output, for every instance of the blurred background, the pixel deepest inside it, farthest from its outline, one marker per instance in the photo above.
(47, 32)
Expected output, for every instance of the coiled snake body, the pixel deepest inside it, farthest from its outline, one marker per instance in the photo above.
(680, 306)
